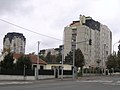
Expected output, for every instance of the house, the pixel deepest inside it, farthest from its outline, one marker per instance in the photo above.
(34, 59)
(58, 65)
(41, 63)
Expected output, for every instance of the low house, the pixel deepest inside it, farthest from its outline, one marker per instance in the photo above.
(34, 59)
(58, 65)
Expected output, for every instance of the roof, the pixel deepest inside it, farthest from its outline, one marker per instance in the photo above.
(11, 35)
(32, 57)
(16, 55)
(75, 23)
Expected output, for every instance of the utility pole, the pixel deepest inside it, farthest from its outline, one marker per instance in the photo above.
(37, 70)
(73, 63)
(24, 71)
(62, 62)
(74, 34)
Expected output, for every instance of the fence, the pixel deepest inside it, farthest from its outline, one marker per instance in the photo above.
(30, 72)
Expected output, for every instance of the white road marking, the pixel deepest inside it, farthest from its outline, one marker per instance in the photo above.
(10, 83)
(94, 81)
(108, 82)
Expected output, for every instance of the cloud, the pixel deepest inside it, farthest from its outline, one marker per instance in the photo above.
(13, 7)
(49, 17)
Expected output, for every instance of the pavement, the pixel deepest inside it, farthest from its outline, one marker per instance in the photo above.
(100, 77)
(90, 78)
(14, 82)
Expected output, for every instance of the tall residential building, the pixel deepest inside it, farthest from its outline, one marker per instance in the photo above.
(80, 32)
(14, 42)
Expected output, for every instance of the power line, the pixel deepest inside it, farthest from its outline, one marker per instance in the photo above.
(34, 31)
(29, 30)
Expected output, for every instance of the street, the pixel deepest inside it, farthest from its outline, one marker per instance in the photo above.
(109, 83)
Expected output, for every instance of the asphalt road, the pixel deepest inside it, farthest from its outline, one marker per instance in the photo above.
(64, 85)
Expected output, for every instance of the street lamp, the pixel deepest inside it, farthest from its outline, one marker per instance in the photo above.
(74, 43)
(114, 45)
(74, 34)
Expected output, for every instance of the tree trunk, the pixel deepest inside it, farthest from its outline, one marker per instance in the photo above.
(81, 71)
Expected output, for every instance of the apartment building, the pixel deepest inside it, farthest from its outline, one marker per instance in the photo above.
(14, 42)
(78, 34)
(52, 51)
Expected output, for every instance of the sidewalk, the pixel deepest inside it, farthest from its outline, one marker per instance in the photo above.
(84, 78)
(14, 82)
(100, 77)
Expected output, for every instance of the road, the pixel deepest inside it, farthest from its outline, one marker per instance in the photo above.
(83, 84)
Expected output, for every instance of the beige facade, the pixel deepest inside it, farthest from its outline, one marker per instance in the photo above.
(52, 51)
(51, 66)
(106, 43)
(86, 28)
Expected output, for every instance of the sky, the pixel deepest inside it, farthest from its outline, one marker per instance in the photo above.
(49, 17)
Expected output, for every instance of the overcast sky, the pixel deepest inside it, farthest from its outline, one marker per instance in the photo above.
(49, 17)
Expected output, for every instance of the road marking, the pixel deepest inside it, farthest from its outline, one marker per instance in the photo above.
(10, 83)
(113, 83)
(94, 81)
(108, 82)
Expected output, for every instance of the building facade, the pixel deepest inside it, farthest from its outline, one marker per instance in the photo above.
(78, 34)
(52, 51)
(14, 42)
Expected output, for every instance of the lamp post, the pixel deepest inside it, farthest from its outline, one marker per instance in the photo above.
(114, 45)
(73, 47)
(74, 43)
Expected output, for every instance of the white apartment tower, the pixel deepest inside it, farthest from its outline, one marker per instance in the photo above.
(81, 32)
(14, 42)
